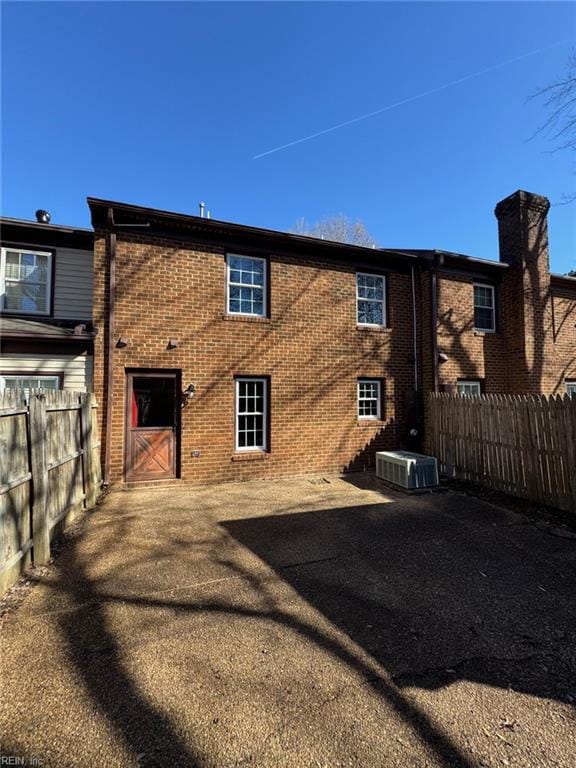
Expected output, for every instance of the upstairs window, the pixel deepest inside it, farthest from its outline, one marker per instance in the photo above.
(570, 387)
(246, 285)
(370, 299)
(369, 400)
(25, 281)
(484, 308)
(251, 414)
(469, 388)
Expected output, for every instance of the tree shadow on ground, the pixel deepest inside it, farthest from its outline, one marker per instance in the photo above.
(427, 599)
(95, 651)
(431, 598)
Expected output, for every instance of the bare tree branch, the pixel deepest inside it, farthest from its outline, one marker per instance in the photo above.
(338, 228)
(559, 102)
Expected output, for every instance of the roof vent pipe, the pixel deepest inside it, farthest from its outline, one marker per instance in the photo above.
(43, 217)
(202, 206)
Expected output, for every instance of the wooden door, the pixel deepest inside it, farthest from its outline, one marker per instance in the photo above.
(152, 418)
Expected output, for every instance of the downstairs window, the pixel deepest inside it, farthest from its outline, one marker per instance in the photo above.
(369, 400)
(469, 388)
(15, 381)
(251, 414)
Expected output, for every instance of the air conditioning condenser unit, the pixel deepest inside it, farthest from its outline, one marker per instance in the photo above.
(408, 470)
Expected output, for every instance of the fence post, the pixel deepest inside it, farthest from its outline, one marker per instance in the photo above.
(86, 438)
(39, 467)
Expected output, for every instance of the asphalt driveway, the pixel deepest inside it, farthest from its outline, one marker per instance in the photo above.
(302, 622)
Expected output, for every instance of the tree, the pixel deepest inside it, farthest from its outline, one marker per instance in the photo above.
(559, 101)
(339, 228)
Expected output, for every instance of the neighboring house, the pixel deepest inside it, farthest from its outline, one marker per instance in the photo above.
(46, 331)
(507, 326)
(227, 352)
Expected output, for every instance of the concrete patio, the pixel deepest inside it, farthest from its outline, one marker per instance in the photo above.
(301, 622)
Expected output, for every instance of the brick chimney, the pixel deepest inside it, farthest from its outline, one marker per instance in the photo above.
(525, 304)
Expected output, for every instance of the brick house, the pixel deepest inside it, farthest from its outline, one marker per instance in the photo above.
(226, 352)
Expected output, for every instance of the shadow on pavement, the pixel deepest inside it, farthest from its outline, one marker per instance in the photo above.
(429, 592)
(430, 597)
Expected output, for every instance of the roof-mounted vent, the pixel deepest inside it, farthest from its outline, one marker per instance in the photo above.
(43, 217)
(204, 212)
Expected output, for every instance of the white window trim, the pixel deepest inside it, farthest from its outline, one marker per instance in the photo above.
(50, 255)
(383, 302)
(11, 376)
(243, 285)
(469, 383)
(378, 400)
(570, 387)
(251, 448)
(493, 291)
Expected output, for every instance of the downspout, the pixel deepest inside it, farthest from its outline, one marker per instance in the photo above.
(414, 331)
(438, 261)
(110, 362)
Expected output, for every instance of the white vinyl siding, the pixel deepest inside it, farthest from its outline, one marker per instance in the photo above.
(73, 284)
(77, 369)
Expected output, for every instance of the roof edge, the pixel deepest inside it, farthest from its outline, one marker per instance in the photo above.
(215, 225)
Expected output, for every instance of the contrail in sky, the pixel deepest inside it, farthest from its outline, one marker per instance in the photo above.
(409, 99)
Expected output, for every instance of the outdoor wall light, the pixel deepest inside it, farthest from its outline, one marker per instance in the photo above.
(442, 357)
(122, 342)
(189, 392)
(172, 343)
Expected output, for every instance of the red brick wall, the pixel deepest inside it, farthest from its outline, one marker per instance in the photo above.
(527, 306)
(533, 350)
(312, 350)
(471, 354)
(310, 347)
(562, 363)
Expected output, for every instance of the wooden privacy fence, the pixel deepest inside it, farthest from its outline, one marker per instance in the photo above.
(49, 472)
(524, 446)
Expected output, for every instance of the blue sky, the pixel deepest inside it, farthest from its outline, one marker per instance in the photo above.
(165, 104)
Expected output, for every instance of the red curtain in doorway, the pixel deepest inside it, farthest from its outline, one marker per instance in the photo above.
(134, 418)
